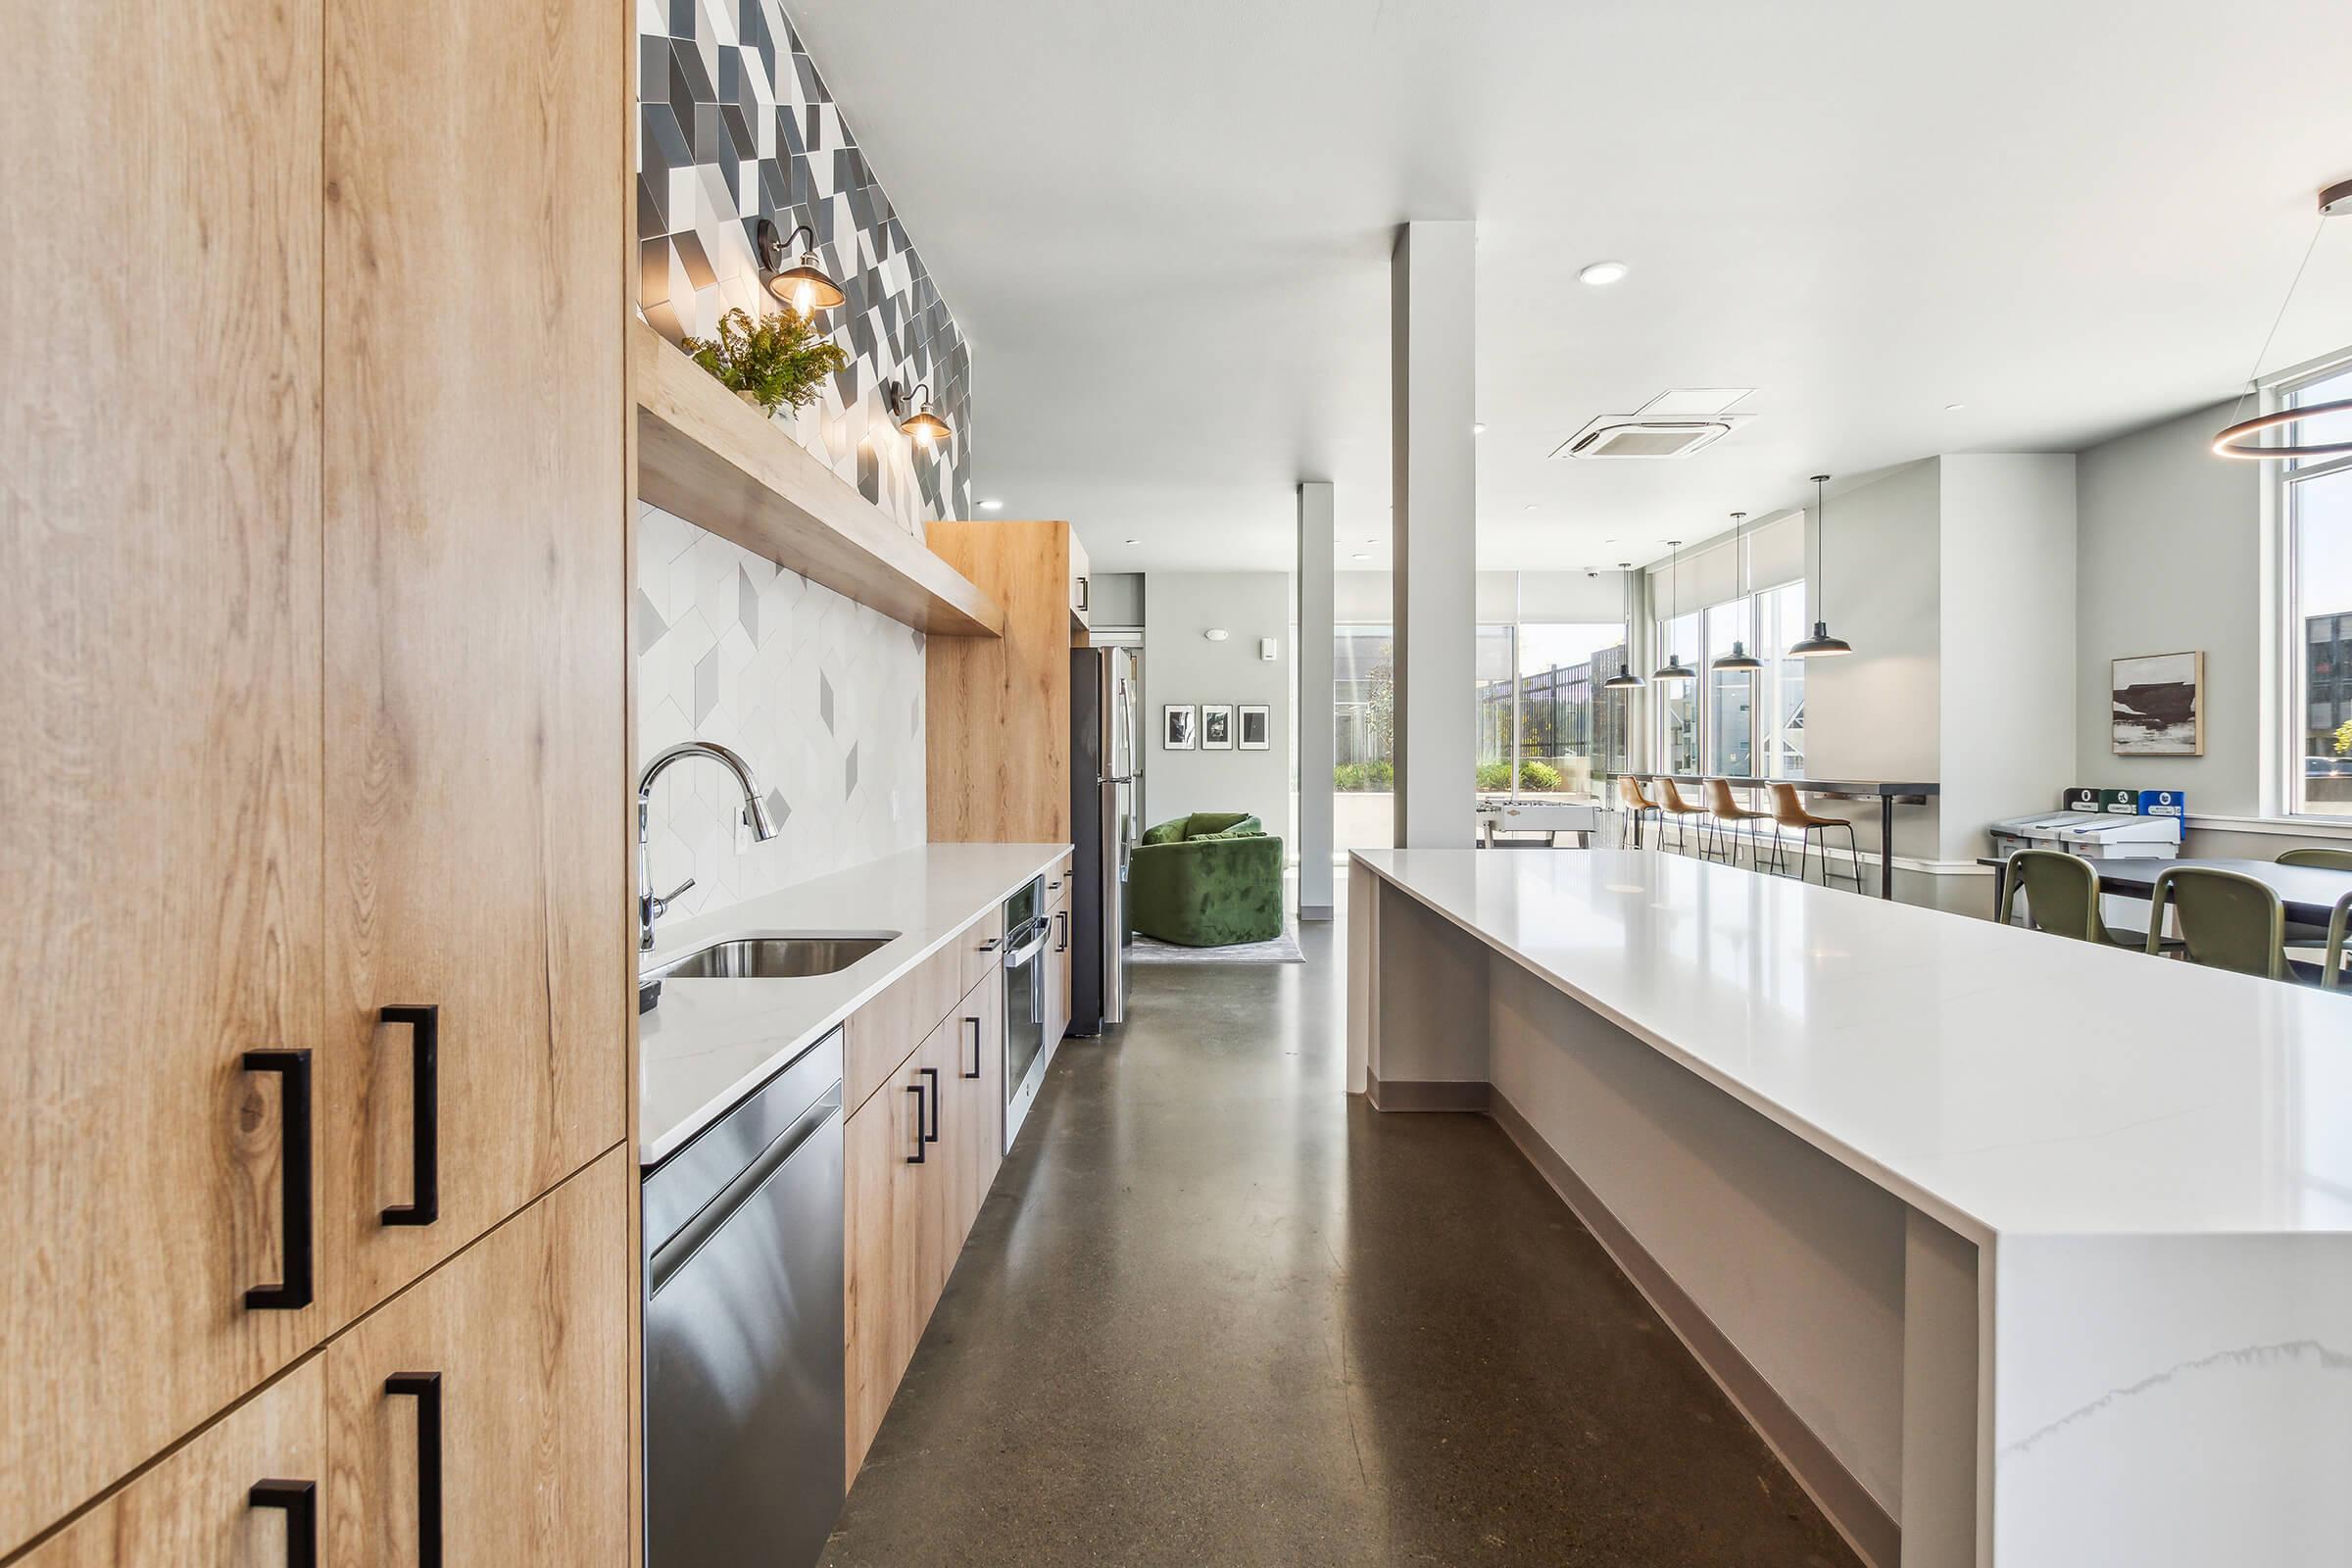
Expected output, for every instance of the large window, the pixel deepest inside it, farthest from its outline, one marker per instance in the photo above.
(2316, 505)
(1738, 724)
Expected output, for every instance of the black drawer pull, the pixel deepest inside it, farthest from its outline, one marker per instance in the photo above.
(293, 1069)
(916, 1158)
(425, 1072)
(1061, 920)
(426, 1389)
(297, 1500)
(932, 1073)
(975, 1023)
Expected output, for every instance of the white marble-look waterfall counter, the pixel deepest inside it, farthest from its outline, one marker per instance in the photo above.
(2151, 1163)
(711, 1042)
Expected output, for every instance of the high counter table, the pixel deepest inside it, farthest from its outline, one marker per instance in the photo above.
(2018, 1251)
(1889, 793)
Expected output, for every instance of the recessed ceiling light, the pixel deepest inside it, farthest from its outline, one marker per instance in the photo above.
(992, 506)
(1953, 408)
(1359, 555)
(1602, 273)
(1135, 541)
(1530, 506)
(1477, 429)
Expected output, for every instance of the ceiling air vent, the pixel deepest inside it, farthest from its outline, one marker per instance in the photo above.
(1673, 424)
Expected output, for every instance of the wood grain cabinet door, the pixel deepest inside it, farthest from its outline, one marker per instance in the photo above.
(887, 1170)
(489, 1404)
(979, 1103)
(248, 1492)
(160, 631)
(476, 499)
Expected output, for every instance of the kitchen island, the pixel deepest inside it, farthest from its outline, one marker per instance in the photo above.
(2018, 1251)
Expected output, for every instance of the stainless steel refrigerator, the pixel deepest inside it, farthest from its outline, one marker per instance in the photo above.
(1107, 791)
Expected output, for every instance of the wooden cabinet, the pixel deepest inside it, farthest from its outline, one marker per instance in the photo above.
(996, 712)
(878, 1035)
(198, 1506)
(980, 949)
(474, 611)
(886, 1177)
(976, 1101)
(1057, 962)
(313, 599)
(160, 624)
(506, 1371)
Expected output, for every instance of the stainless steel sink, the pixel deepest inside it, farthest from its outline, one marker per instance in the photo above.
(772, 956)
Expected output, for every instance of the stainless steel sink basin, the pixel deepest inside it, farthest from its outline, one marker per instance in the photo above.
(772, 956)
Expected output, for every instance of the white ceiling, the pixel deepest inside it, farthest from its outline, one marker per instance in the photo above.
(1164, 227)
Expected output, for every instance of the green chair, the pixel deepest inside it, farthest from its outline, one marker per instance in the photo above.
(2229, 921)
(2339, 925)
(1208, 880)
(2299, 935)
(2062, 897)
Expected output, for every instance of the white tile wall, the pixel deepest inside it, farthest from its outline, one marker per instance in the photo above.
(823, 696)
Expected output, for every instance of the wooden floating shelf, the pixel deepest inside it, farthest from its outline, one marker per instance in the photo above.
(705, 455)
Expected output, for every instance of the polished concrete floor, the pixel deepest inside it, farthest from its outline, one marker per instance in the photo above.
(1215, 1312)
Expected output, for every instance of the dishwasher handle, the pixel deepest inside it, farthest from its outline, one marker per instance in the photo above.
(676, 1252)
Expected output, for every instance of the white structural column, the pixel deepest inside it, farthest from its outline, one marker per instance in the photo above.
(1317, 544)
(1433, 404)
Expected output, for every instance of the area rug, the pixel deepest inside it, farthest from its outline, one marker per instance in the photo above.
(1284, 949)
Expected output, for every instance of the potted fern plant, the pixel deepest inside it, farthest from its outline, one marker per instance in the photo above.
(769, 363)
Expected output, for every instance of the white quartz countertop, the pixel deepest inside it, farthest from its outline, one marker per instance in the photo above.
(711, 1042)
(2003, 1079)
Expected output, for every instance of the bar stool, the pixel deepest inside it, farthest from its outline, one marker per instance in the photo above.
(1788, 811)
(1635, 805)
(1671, 801)
(2229, 921)
(1732, 817)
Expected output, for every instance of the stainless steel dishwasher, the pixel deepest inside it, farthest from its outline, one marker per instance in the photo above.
(743, 1330)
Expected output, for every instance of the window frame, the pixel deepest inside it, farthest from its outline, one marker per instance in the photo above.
(2287, 686)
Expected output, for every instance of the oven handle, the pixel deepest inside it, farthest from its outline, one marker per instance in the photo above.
(1029, 943)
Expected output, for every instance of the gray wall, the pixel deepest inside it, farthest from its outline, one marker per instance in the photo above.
(1181, 666)
(1116, 598)
(2171, 559)
(1878, 714)
(2008, 532)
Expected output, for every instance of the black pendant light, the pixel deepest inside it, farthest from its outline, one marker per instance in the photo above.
(1821, 645)
(1625, 680)
(1673, 668)
(1740, 659)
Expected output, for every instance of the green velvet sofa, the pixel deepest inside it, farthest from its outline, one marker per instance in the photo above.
(1208, 880)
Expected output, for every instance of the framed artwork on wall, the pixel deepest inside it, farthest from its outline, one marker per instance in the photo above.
(1176, 727)
(2158, 703)
(1216, 729)
(1257, 721)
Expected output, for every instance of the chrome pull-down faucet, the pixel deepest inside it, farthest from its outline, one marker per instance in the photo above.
(652, 905)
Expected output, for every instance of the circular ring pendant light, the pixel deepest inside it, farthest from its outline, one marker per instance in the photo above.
(1673, 668)
(1625, 680)
(1821, 645)
(2238, 441)
(1740, 659)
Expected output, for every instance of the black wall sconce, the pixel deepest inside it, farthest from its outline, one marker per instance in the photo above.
(805, 286)
(923, 422)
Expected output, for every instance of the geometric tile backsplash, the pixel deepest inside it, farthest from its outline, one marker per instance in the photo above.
(822, 696)
(734, 124)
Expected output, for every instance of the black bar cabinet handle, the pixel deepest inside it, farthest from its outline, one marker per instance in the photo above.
(1061, 920)
(975, 1073)
(297, 1500)
(293, 1069)
(1082, 593)
(425, 1071)
(916, 1158)
(932, 1073)
(426, 1389)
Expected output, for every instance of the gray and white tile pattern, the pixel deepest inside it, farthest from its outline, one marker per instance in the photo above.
(823, 696)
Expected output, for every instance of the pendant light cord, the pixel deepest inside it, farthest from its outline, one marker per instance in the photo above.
(2280, 320)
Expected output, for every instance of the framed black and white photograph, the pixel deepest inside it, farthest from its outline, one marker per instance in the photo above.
(2159, 705)
(1256, 720)
(1216, 729)
(1177, 721)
